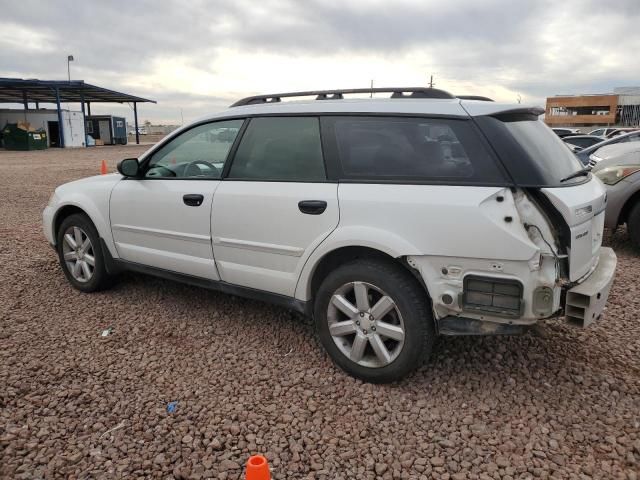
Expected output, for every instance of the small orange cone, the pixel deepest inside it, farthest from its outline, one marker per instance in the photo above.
(257, 468)
(103, 168)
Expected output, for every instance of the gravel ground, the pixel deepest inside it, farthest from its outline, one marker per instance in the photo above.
(249, 377)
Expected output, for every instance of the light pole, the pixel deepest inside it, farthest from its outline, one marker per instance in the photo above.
(69, 60)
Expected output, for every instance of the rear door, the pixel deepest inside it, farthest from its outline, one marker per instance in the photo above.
(275, 205)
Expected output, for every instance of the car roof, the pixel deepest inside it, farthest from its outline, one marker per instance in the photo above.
(400, 106)
(613, 140)
(569, 137)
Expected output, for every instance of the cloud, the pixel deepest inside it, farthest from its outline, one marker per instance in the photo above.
(199, 56)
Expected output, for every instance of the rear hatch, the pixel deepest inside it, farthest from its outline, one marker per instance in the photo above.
(537, 159)
(582, 207)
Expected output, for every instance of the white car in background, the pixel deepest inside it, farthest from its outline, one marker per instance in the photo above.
(390, 221)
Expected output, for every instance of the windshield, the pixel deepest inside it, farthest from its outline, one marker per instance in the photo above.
(532, 153)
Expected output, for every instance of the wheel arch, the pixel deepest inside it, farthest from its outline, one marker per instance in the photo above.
(92, 212)
(64, 212)
(332, 259)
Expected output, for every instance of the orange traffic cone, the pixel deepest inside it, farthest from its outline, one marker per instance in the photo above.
(103, 168)
(257, 468)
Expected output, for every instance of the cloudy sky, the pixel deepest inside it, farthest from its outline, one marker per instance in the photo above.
(198, 56)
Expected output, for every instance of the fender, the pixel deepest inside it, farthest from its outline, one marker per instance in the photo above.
(351, 236)
(91, 195)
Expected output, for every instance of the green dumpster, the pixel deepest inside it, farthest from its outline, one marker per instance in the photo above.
(16, 138)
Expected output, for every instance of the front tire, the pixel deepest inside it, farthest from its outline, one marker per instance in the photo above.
(374, 320)
(633, 224)
(80, 254)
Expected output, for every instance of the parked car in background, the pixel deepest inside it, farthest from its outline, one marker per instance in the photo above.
(620, 131)
(619, 170)
(141, 131)
(563, 132)
(602, 132)
(584, 154)
(389, 221)
(578, 142)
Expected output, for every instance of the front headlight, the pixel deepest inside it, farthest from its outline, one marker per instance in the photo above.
(612, 175)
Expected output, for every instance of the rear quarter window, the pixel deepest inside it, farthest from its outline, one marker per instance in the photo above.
(533, 155)
(433, 150)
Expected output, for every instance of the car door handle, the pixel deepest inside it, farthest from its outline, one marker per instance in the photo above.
(193, 199)
(312, 207)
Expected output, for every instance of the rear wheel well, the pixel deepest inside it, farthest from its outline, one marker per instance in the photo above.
(335, 258)
(63, 213)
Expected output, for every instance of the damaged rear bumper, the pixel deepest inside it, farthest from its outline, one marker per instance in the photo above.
(585, 302)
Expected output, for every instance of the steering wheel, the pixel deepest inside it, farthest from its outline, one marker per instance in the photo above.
(192, 170)
(160, 171)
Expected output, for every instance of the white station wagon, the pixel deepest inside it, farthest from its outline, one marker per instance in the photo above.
(389, 220)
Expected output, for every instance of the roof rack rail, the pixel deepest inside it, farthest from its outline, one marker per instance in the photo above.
(475, 97)
(401, 92)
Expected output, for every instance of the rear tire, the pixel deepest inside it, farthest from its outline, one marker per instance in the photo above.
(633, 224)
(374, 320)
(80, 254)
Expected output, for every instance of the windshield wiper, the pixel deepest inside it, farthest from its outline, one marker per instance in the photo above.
(579, 173)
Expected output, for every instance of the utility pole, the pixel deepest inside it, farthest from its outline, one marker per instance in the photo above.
(371, 94)
(431, 84)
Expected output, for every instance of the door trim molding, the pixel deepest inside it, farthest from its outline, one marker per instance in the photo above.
(259, 246)
(117, 265)
(206, 239)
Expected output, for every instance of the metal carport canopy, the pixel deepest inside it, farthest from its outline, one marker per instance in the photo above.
(18, 90)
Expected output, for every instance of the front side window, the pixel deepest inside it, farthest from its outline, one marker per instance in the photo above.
(280, 149)
(200, 152)
(422, 149)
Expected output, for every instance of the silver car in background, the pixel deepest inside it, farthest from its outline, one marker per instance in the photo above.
(618, 166)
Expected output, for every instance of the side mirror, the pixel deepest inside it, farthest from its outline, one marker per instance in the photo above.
(129, 167)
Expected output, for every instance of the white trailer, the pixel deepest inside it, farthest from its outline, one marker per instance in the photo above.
(73, 126)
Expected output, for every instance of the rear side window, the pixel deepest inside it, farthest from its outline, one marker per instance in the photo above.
(414, 149)
(531, 152)
(280, 148)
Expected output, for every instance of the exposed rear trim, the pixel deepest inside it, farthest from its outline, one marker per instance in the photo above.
(456, 326)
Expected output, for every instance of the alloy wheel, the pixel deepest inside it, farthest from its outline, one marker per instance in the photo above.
(78, 254)
(365, 324)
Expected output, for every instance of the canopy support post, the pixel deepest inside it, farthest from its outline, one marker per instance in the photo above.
(60, 124)
(84, 119)
(135, 120)
(26, 104)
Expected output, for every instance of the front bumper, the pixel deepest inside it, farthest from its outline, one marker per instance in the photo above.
(585, 302)
(47, 224)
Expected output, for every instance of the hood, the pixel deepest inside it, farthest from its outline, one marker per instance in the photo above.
(110, 178)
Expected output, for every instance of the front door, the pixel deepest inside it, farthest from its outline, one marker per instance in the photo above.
(163, 219)
(275, 206)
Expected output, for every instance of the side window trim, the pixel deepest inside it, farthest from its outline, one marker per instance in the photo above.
(336, 174)
(160, 146)
(234, 148)
(232, 153)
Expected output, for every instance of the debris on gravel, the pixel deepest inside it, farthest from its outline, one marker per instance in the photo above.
(251, 378)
